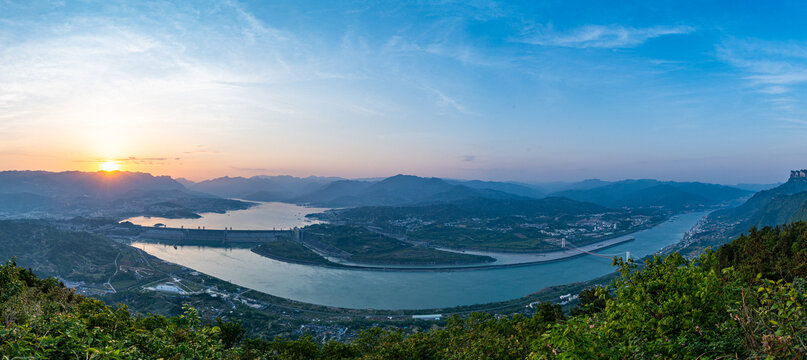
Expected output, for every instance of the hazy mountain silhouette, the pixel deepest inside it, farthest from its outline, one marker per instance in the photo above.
(113, 194)
(654, 193)
(262, 188)
(396, 190)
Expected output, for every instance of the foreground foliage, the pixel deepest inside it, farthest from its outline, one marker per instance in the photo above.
(745, 300)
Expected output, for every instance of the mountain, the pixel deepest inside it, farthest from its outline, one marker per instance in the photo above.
(395, 190)
(262, 188)
(653, 193)
(784, 204)
(476, 207)
(553, 187)
(117, 194)
(505, 187)
(185, 182)
(342, 191)
(756, 187)
(72, 184)
(777, 206)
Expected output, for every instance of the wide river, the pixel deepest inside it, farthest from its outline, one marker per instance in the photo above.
(264, 216)
(399, 290)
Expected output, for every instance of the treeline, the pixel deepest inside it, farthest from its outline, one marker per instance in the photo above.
(745, 300)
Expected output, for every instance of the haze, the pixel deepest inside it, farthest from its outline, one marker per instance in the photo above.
(711, 91)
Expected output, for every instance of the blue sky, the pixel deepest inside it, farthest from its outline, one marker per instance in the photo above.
(532, 91)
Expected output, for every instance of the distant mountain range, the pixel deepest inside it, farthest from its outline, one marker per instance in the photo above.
(111, 194)
(337, 192)
(654, 193)
(72, 184)
(407, 189)
(117, 193)
(261, 188)
(399, 190)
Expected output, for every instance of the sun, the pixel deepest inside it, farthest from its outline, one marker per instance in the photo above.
(110, 166)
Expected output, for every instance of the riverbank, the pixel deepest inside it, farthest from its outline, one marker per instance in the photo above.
(526, 259)
(561, 256)
(395, 289)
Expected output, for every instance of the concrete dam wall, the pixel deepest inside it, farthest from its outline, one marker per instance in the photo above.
(175, 235)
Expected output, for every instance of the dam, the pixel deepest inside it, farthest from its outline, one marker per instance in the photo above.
(210, 236)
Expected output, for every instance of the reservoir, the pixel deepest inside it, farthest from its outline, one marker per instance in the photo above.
(264, 216)
(400, 289)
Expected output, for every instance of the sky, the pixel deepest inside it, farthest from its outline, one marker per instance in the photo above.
(528, 91)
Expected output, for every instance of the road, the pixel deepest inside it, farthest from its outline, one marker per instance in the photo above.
(109, 282)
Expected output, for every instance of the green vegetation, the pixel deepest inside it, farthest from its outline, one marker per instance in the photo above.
(73, 255)
(784, 204)
(472, 208)
(742, 301)
(290, 251)
(523, 225)
(364, 246)
(525, 239)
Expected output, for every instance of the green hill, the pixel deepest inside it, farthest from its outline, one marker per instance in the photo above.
(783, 204)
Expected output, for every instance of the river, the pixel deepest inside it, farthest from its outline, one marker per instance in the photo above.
(264, 216)
(405, 290)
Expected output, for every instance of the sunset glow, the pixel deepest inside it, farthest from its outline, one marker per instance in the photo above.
(244, 88)
(110, 166)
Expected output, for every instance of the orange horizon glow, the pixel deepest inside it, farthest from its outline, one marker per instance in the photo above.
(110, 166)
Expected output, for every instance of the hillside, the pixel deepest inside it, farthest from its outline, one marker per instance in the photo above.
(397, 190)
(262, 188)
(117, 194)
(676, 196)
(716, 306)
(474, 208)
(505, 187)
(783, 204)
(74, 184)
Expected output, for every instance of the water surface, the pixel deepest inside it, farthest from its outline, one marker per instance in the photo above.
(407, 290)
(264, 216)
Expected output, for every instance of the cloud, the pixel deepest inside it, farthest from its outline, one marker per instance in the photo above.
(771, 66)
(600, 36)
(447, 101)
(469, 158)
(775, 69)
(776, 89)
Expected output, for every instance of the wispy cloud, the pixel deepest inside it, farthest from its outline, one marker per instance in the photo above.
(447, 101)
(795, 121)
(776, 70)
(773, 67)
(599, 36)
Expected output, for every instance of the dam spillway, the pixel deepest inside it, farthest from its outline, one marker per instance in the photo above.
(176, 235)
